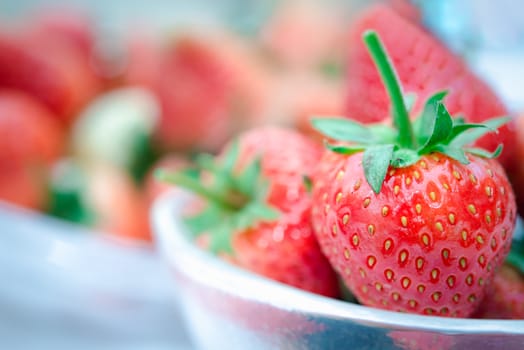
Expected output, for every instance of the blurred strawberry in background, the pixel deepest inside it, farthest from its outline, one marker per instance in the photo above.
(49, 69)
(305, 35)
(31, 139)
(194, 86)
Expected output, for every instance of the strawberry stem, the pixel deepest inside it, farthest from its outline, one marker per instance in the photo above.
(390, 79)
(189, 183)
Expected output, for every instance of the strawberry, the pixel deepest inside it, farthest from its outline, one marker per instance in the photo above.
(505, 296)
(30, 141)
(410, 45)
(257, 212)
(195, 85)
(53, 73)
(28, 131)
(69, 26)
(410, 218)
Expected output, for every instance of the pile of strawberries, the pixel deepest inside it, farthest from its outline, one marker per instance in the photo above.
(407, 202)
(410, 197)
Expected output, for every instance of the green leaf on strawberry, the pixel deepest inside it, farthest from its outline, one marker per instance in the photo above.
(412, 219)
(404, 144)
(236, 200)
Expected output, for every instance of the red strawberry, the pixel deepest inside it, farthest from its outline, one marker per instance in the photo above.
(53, 73)
(505, 296)
(411, 221)
(194, 87)
(424, 65)
(258, 208)
(28, 131)
(22, 185)
(69, 26)
(30, 140)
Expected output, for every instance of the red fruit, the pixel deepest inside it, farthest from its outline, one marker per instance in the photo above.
(427, 243)
(30, 140)
(424, 66)
(408, 218)
(504, 297)
(279, 246)
(53, 73)
(22, 185)
(286, 249)
(70, 27)
(199, 84)
(29, 133)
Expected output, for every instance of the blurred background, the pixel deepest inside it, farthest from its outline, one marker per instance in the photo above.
(95, 95)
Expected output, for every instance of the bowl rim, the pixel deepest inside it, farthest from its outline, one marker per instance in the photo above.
(176, 248)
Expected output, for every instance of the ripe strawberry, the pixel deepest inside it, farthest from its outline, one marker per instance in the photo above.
(424, 66)
(201, 83)
(258, 208)
(53, 73)
(505, 296)
(30, 140)
(28, 131)
(69, 26)
(409, 219)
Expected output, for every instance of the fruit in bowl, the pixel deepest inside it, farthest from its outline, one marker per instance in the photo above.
(410, 216)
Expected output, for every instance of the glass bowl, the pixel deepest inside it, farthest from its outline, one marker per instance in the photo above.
(226, 307)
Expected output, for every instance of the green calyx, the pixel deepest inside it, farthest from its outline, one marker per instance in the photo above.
(234, 200)
(403, 144)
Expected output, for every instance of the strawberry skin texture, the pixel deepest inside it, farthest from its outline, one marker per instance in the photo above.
(424, 66)
(505, 296)
(285, 250)
(428, 243)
